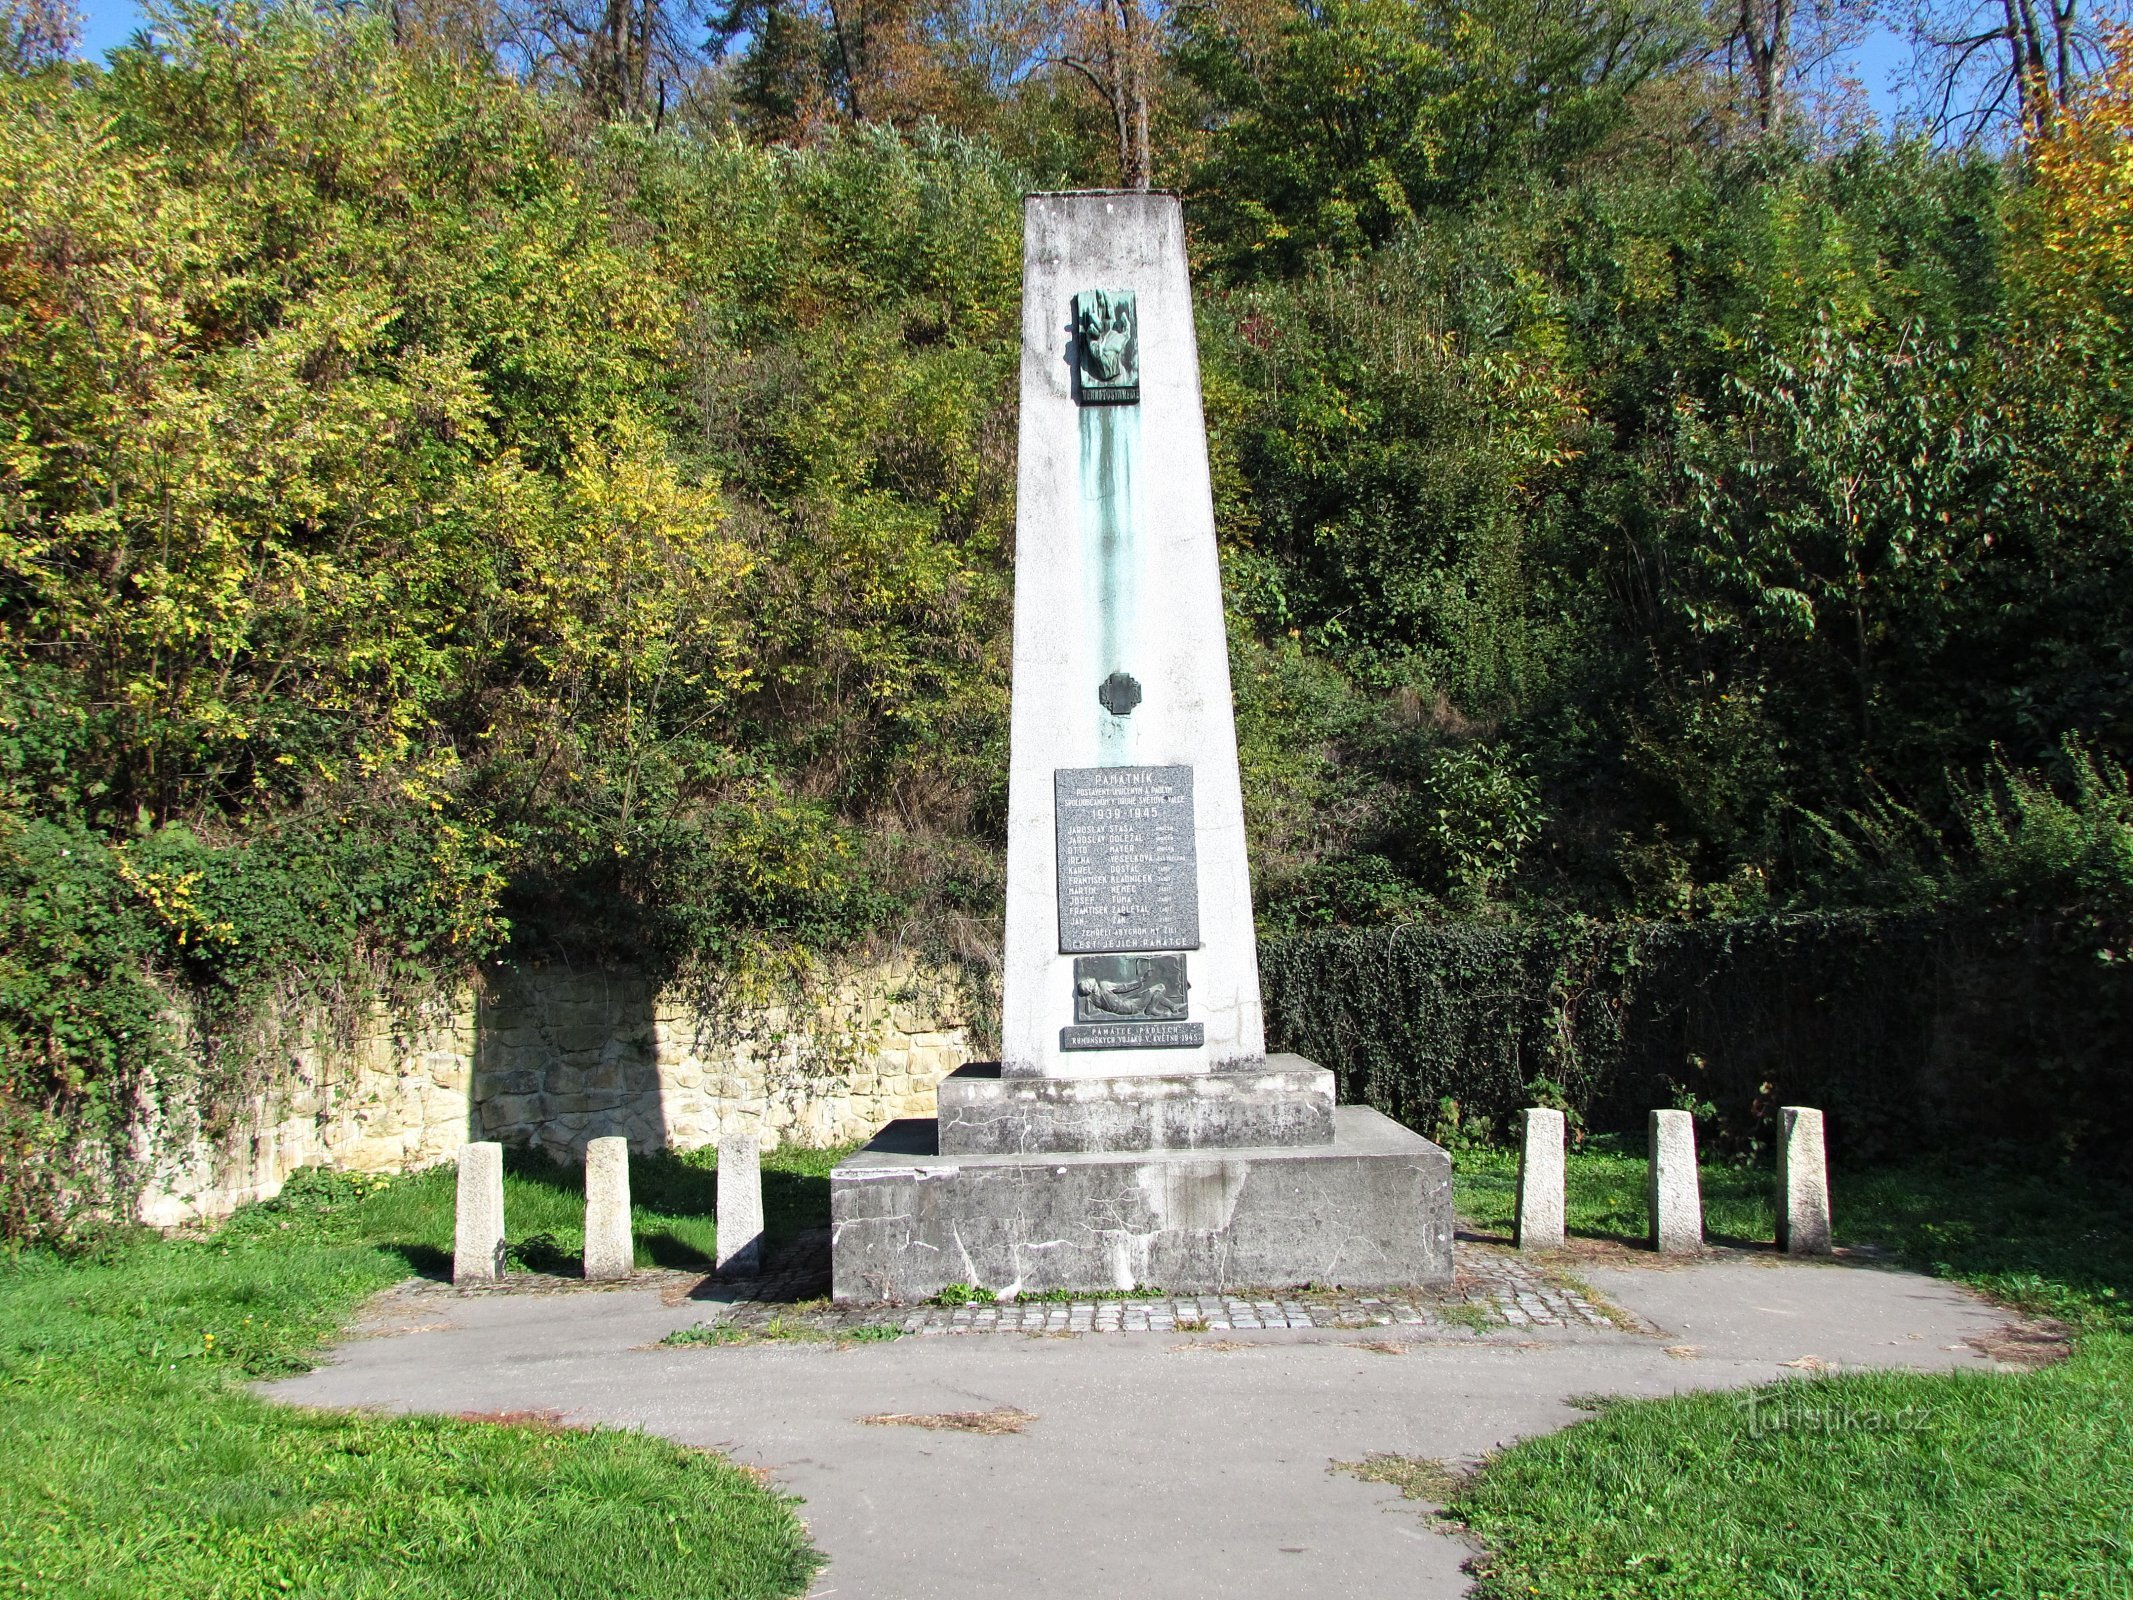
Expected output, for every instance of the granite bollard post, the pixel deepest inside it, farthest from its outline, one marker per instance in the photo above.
(609, 1250)
(1540, 1181)
(1802, 1183)
(740, 1206)
(1676, 1199)
(478, 1237)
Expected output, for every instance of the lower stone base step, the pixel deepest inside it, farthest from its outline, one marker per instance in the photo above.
(1371, 1209)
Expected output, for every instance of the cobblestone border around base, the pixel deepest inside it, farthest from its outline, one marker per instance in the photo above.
(1490, 1288)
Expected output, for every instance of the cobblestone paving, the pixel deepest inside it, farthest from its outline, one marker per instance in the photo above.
(1491, 1289)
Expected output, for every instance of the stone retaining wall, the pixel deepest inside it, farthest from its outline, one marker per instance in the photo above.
(555, 1057)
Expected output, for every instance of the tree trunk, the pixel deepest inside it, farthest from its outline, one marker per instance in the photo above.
(1767, 37)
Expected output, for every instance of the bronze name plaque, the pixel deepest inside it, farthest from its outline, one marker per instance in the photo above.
(1128, 872)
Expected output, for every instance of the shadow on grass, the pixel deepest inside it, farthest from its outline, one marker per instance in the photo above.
(672, 1194)
(794, 1204)
(424, 1260)
(676, 1254)
(662, 1181)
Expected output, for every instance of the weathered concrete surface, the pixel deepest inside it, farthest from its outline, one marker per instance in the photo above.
(1288, 1101)
(1674, 1194)
(478, 1223)
(1372, 1207)
(1156, 1465)
(609, 1250)
(740, 1206)
(1802, 1183)
(1540, 1181)
(1137, 589)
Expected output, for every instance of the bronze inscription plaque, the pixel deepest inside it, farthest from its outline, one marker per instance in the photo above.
(1128, 875)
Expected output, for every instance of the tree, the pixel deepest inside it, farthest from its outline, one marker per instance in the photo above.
(1112, 46)
(1850, 494)
(2071, 264)
(1351, 116)
(35, 34)
(1782, 42)
(802, 63)
(1992, 64)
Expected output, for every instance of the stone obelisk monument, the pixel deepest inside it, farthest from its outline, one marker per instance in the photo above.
(1134, 1132)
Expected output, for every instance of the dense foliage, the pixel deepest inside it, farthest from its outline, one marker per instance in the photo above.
(426, 518)
(439, 517)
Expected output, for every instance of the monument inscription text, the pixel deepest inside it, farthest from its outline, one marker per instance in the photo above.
(1128, 874)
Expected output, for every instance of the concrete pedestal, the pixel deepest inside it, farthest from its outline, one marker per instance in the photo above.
(1371, 1208)
(1285, 1100)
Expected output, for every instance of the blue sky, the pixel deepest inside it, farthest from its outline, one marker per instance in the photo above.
(110, 22)
(107, 24)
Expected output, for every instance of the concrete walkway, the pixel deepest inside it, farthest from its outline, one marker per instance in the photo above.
(1161, 1463)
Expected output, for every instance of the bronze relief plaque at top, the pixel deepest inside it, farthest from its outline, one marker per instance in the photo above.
(1128, 871)
(1107, 348)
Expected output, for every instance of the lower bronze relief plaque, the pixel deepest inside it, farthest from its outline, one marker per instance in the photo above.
(1131, 1003)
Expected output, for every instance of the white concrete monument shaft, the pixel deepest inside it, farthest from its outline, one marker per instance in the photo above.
(1121, 670)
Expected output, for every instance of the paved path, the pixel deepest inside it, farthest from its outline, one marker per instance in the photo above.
(1160, 1462)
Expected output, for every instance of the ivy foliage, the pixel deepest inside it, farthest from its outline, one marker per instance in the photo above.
(1977, 992)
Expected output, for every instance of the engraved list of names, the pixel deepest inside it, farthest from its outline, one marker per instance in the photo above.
(1128, 875)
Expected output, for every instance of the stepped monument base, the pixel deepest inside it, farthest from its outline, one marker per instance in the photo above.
(1370, 1208)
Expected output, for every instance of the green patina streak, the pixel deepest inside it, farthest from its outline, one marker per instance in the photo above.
(1110, 444)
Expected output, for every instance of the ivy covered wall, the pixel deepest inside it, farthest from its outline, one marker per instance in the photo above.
(1913, 1031)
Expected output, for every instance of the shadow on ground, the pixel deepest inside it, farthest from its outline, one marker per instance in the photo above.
(669, 1192)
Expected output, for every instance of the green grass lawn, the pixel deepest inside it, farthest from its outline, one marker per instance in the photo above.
(1898, 1485)
(1604, 1193)
(133, 1461)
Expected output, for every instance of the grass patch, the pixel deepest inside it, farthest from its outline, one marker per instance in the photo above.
(133, 1459)
(1416, 1477)
(1473, 1318)
(1865, 1485)
(780, 1330)
(1604, 1193)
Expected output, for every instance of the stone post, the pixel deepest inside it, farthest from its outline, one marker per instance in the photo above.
(1675, 1198)
(609, 1250)
(1802, 1183)
(1540, 1181)
(478, 1240)
(740, 1206)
